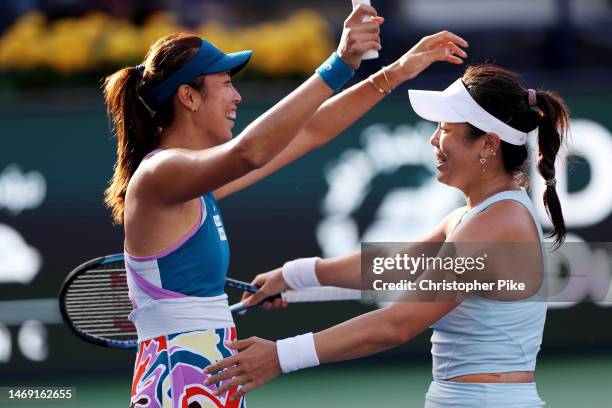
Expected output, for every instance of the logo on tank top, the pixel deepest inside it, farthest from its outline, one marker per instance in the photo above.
(220, 229)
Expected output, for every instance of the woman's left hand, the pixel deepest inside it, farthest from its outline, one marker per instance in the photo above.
(442, 46)
(254, 365)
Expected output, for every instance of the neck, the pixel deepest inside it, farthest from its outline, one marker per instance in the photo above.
(186, 136)
(481, 191)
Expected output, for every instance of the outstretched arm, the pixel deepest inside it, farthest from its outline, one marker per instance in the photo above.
(202, 171)
(341, 271)
(258, 361)
(342, 110)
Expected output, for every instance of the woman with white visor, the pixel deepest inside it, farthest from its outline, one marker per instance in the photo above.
(484, 345)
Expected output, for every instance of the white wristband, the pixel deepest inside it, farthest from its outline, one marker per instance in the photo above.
(295, 353)
(300, 273)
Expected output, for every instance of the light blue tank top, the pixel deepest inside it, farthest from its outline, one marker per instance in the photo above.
(489, 336)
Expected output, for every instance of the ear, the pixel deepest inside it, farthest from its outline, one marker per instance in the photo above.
(188, 97)
(491, 143)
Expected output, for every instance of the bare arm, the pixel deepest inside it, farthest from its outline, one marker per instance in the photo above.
(201, 171)
(378, 330)
(341, 271)
(342, 110)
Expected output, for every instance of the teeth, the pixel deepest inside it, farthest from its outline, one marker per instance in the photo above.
(230, 116)
(440, 158)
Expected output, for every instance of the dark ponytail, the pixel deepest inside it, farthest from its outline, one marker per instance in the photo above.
(136, 125)
(553, 126)
(136, 135)
(499, 92)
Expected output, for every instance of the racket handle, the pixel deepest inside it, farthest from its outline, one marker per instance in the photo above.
(241, 308)
(236, 284)
(320, 294)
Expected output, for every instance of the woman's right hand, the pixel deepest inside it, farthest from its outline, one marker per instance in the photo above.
(358, 36)
(269, 284)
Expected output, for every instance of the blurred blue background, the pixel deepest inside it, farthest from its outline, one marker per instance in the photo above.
(374, 182)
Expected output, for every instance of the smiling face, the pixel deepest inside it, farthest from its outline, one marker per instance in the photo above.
(216, 110)
(457, 158)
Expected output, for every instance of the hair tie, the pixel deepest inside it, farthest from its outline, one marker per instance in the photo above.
(533, 100)
(140, 69)
(533, 103)
(551, 182)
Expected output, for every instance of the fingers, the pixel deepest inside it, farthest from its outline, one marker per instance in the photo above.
(254, 298)
(448, 36)
(278, 302)
(378, 19)
(359, 13)
(222, 364)
(361, 42)
(241, 344)
(223, 375)
(245, 296)
(370, 27)
(243, 390)
(443, 54)
(234, 382)
(456, 50)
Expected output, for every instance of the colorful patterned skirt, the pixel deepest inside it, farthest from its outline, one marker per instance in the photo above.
(169, 371)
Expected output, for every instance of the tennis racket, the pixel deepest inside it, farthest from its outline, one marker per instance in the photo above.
(94, 301)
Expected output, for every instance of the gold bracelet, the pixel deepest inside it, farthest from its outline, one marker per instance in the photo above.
(378, 88)
(387, 79)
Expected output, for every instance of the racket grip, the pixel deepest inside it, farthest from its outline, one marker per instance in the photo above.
(241, 309)
(236, 284)
(369, 54)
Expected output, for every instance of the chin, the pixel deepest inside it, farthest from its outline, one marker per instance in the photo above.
(223, 137)
(445, 179)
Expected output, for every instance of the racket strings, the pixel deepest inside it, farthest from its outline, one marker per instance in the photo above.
(98, 304)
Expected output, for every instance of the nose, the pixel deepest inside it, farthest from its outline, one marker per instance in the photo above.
(435, 138)
(237, 97)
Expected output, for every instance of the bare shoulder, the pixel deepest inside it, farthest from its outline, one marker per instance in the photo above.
(146, 177)
(452, 219)
(503, 221)
(141, 192)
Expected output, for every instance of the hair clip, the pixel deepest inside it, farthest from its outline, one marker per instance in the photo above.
(551, 182)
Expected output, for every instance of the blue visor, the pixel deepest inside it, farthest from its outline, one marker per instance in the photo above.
(208, 60)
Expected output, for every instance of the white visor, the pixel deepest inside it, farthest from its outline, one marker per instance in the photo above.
(456, 105)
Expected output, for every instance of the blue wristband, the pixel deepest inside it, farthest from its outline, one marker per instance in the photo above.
(335, 72)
